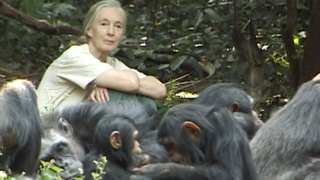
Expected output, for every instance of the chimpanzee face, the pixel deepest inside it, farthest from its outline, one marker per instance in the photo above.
(64, 150)
(178, 144)
(173, 149)
(117, 142)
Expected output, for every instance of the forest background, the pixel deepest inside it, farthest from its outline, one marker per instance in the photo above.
(269, 46)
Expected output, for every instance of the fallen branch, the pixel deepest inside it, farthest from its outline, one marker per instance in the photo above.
(39, 25)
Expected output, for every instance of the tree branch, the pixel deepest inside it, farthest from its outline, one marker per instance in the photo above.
(39, 25)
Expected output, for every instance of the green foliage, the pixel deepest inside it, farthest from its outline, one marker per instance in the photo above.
(171, 99)
(49, 171)
(98, 175)
(165, 38)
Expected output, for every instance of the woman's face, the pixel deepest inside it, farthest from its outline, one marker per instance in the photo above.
(107, 30)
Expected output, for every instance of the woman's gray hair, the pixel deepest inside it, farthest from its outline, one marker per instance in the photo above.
(94, 10)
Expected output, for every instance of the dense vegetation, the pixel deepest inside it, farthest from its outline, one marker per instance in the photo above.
(186, 44)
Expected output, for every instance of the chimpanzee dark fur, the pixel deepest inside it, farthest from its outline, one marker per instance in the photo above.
(20, 128)
(84, 117)
(119, 161)
(221, 153)
(232, 96)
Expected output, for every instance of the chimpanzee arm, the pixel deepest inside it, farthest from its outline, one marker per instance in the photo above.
(138, 177)
(172, 171)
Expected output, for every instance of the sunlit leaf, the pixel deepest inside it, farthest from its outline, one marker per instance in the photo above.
(296, 40)
(279, 73)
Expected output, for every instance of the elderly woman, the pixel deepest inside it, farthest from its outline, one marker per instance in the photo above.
(69, 78)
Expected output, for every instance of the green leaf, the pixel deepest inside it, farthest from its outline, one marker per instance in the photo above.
(56, 168)
(196, 66)
(279, 73)
(177, 63)
(301, 6)
(199, 19)
(185, 24)
(183, 41)
(64, 9)
(48, 175)
(139, 52)
(296, 40)
(213, 15)
(163, 66)
(129, 52)
(150, 54)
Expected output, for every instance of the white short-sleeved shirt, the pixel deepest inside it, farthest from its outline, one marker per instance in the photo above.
(67, 78)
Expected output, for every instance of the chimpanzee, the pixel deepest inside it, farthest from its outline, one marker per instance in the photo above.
(20, 128)
(81, 120)
(84, 117)
(59, 144)
(287, 147)
(115, 137)
(202, 142)
(232, 96)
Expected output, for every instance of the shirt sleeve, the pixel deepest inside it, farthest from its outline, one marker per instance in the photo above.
(80, 67)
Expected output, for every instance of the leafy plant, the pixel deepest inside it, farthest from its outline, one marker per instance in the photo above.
(49, 171)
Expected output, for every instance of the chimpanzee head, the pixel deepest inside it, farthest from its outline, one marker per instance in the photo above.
(59, 144)
(115, 137)
(196, 134)
(184, 133)
(235, 98)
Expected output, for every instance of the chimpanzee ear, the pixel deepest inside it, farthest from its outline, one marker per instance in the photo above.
(192, 129)
(115, 140)
(64, 126)
(234, 107)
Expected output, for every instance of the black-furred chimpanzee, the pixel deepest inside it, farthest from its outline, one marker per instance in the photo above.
(20, 128)
(115, 138)
(203, 143)
(232, 96)
(287, 147)
(82, 120)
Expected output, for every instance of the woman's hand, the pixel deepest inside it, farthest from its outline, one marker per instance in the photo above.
(99, 94)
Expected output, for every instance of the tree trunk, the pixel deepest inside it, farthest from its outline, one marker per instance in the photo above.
(311, 61)
(247, 50)
(287, 37)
